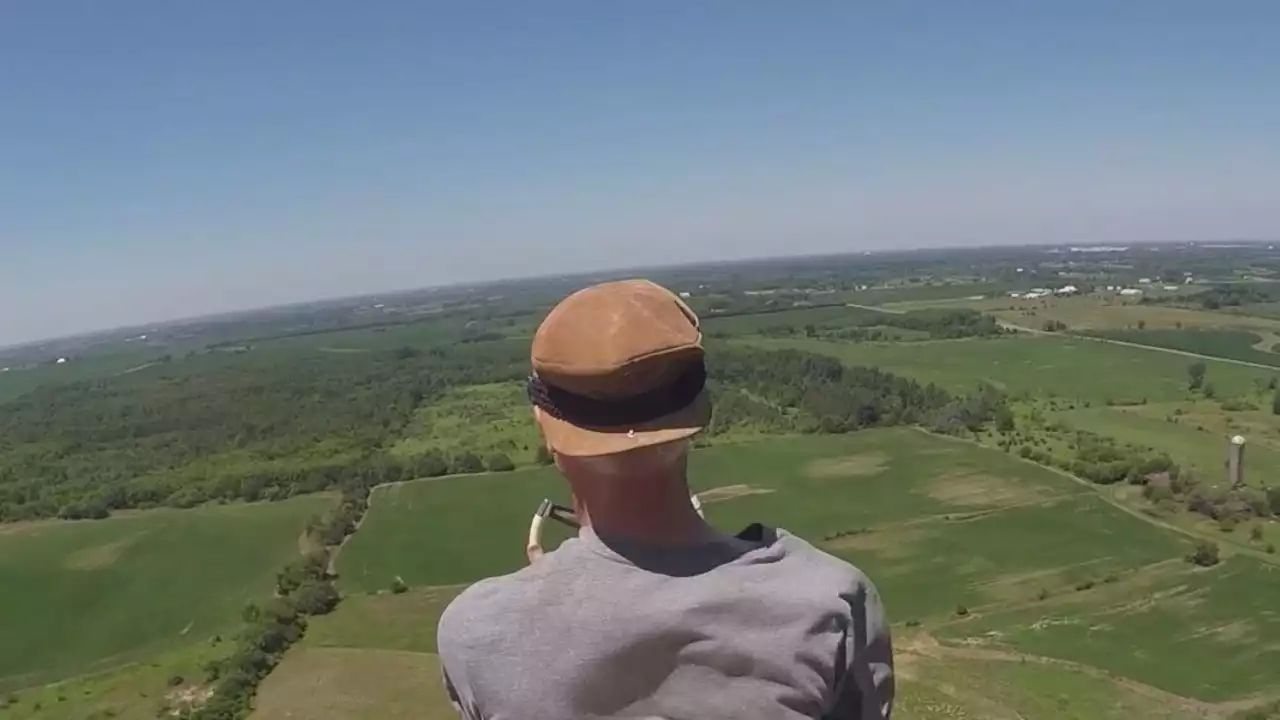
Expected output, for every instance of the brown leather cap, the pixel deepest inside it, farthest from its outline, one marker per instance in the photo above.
(619, 366)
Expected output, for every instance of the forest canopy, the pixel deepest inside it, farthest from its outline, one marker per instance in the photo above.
(265, 426)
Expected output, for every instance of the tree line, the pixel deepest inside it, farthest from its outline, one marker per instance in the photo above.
(269, 428)
(779, 391)
(1105, 461)
(304, 588)
(253, 426)
(934, 324)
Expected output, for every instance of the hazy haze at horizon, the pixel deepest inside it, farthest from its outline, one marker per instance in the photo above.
(164, 160)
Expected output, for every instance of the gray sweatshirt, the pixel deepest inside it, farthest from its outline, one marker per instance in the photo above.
(762, 625)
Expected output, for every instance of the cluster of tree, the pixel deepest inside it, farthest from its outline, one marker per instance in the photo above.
(1229, 506)
(1054, 326)
(1097, 458)
(1205, 554)
(250, 430)
(794, 391)
(973, 412)
(256, 426)
(936, 324)
(1105, 461)
(304, 588)
(1223, 295)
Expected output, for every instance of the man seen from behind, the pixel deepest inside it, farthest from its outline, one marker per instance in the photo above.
(650, 612)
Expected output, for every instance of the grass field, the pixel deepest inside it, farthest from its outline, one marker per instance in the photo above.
(1113, 313)
(903, 499)
(939, 683)
(926, 570)
(938, 523)
(814, 486)
(129, 692)
(17, 381)
(373, 657)
(1065, 367)
(1144, 627)
(351, 684)
(1250, 346)
(95, 595)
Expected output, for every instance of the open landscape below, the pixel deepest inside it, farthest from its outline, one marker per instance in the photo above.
(265, 518)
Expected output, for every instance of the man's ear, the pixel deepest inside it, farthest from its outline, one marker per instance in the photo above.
(537, 419)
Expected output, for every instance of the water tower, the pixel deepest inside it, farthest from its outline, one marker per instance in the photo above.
(1235, 461)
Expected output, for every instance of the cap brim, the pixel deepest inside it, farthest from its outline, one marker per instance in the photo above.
(568, 439)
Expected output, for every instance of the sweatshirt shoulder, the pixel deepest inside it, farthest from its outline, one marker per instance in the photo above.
(470, 620)
(489, 613)
(824, 568)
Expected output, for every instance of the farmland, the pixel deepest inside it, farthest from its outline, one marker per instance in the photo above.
(375, 657)
(929, 518)
(1224, 617)
(1063, 367)
(1113, 312)
(1028, 523)
(1255, 347)
(829, 485)
(151, 581)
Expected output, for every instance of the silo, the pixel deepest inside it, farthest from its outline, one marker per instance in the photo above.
(1235, 461)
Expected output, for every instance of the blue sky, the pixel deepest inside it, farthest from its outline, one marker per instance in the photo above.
(160, 159)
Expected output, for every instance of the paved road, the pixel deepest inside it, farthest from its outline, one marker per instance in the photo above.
(877, 309)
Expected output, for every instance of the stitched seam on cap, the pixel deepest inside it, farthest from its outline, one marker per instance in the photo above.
(637, 358)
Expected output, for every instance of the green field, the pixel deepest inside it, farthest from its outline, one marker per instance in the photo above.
(373, 657)
(127, 692)
(1223, 617)
(18, 380)
(94, 595)
(938, 523)
(1064, 367)
(925, 570)
(1255, 347)
(940, 683)
(907, 495)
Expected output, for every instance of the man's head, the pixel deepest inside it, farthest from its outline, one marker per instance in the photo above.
(618, 367)
(618, 391)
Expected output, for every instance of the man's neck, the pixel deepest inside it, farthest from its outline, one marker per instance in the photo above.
(672, 528)
(649, 512)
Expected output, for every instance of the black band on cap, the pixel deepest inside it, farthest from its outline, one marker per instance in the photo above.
(627, 412)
